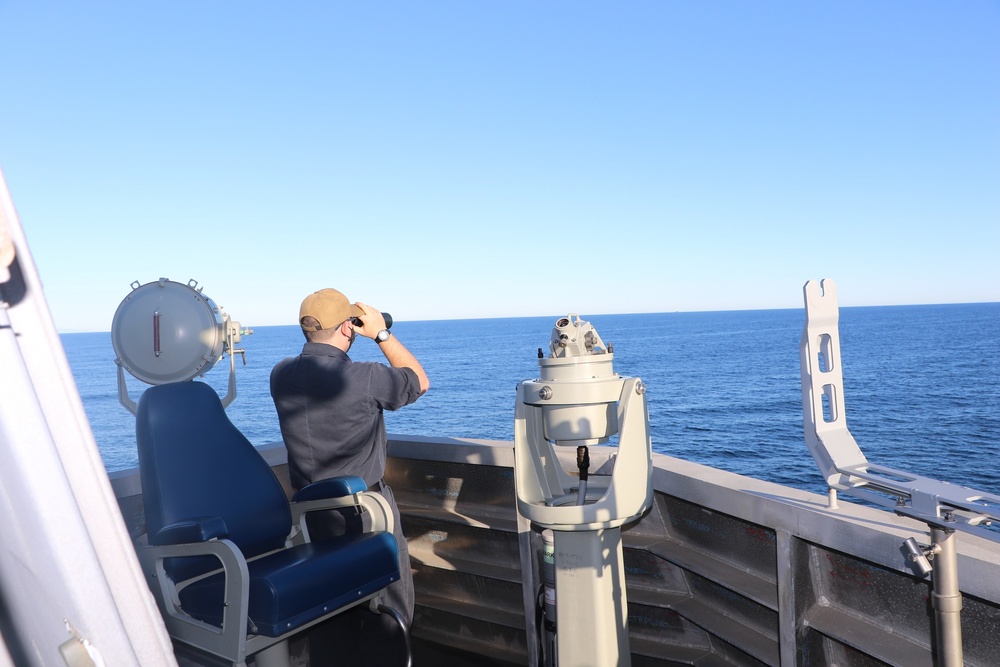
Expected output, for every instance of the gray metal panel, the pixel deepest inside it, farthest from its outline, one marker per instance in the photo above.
(68, 577)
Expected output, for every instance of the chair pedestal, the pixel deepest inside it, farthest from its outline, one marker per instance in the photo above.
(273, 656)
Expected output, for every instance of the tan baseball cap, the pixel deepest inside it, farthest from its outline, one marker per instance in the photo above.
(328, 306)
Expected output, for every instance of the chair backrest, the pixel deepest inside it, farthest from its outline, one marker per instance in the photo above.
(193, 462)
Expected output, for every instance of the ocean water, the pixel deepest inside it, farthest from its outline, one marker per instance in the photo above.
(921, 384)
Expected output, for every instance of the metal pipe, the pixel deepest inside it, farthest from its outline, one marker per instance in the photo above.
(946, 599)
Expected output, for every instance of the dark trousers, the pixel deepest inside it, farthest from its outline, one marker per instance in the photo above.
(359, 637)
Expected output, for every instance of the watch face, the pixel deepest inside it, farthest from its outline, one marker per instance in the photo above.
(382, 336)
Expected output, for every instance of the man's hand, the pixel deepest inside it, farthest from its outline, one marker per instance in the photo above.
(371, 322)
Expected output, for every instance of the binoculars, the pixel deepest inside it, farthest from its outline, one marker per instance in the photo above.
(356, 321)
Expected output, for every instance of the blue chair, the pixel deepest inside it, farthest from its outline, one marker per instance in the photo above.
(227, 557)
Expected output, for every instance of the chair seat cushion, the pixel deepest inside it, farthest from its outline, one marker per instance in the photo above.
(295, 586)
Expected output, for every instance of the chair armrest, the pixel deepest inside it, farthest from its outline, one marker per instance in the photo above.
(234, 626)
(198, 529)
(334, 487)
(380, 510)
(375, 504)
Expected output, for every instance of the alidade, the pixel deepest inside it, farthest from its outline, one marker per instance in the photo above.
(579, 400)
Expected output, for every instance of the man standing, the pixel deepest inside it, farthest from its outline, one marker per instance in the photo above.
(330, 410)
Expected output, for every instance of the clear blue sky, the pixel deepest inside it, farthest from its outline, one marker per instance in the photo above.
(465, 159)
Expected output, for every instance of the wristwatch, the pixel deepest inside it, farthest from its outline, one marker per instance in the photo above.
(382, 336)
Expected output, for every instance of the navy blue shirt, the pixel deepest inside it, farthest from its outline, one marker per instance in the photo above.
(330, 412)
